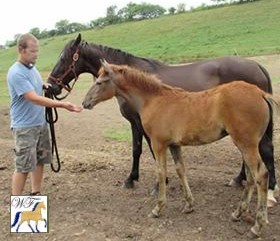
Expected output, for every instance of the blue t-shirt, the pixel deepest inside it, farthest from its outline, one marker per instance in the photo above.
(22, 79)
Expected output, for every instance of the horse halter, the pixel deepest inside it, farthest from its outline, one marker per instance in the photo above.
(59, 80)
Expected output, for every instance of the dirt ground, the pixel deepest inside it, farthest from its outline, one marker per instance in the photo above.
(87, 201)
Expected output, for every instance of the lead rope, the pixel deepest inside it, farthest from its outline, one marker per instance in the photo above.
(51, 121)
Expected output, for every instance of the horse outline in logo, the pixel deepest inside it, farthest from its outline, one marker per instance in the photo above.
(34, 215)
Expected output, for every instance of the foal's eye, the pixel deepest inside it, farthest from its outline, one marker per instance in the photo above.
(98, 82)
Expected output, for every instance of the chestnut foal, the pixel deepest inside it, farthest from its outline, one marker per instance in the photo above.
(173, 117)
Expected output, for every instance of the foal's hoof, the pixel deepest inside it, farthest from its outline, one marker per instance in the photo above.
(128, 184)
(234, 217)
(253, 234)
(188, 210)
(154, 192)
(153, 214)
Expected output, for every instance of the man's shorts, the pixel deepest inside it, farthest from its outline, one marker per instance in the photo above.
(32, 146)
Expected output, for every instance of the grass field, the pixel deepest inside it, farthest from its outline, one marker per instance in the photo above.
(246, 29)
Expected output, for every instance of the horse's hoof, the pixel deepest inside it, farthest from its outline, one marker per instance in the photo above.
(253, 234)
(276, 190)
(235, 182)
(128, 184)
(271, 201)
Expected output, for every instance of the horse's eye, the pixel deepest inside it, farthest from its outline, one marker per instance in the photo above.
(98, 82)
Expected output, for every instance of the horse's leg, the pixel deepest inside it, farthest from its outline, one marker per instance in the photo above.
(266, 150)
(31, 227)
(181, 171)
(160, 154)
(137, 138)
(36, 225)
(241, 176)
(18, 228)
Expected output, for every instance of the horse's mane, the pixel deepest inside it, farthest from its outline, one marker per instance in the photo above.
(35, 206)
(118, 54)
(141, 80)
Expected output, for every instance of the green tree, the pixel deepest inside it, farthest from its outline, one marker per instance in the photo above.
(62, 26)
(171, 10)
(98, 23)
(112, 16)
(75, 27)
(35, 32)
(181, 8)
(219, 1)
(52, 32)
(44, 33)
(134, 11)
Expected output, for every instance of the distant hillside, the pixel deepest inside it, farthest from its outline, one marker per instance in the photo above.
(244, 29)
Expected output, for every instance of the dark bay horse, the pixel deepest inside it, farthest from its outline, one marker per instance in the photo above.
(80, 57)
(173, 117)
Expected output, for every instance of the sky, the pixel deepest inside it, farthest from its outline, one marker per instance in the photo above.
(19, 16)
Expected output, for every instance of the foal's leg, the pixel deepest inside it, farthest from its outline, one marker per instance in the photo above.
(160, 154)
(246, 195)
(266, 150)
(181, 171)
(262, 188)
(259, 174)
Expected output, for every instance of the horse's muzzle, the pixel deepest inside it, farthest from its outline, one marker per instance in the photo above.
(53, 89)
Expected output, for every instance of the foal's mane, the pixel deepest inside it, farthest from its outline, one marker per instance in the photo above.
(144, 81)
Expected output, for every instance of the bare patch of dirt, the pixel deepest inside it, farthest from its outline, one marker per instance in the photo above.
(87, 201)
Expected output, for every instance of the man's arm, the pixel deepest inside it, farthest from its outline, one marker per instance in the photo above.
(40, 100)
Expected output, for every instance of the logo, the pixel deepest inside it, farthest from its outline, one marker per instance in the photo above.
(29, 214)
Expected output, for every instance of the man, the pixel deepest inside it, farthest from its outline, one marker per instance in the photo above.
(27, 112)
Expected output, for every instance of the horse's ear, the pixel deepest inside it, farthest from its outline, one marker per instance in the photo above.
(78, 40)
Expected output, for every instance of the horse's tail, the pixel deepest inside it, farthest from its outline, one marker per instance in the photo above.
(269, 90)
(269, 130)
(148, 140)
(16, 219)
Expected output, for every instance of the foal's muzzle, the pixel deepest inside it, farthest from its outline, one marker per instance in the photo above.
(87, 105)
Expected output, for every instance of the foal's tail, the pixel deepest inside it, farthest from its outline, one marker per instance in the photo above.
(274, 103)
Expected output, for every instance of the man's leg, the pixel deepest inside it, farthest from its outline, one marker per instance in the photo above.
(36, 178)
(18, 182)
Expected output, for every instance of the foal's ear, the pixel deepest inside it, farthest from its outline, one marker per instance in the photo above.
(78, 40)
(106, 66)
